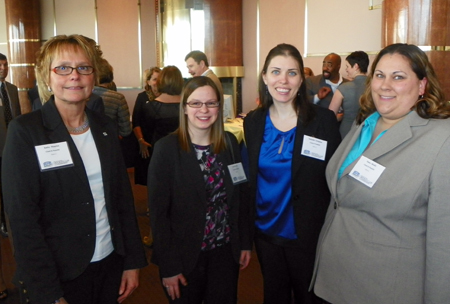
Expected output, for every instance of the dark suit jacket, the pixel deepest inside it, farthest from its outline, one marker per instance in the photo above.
(15, 111)
(310, 194)
(177, 199)
(313, 84)
(52, 214)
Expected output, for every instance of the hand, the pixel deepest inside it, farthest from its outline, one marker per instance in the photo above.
(323, 92)
(245, 258)
(143, 148)
(130, 281)
(172, 286)
(63, 301)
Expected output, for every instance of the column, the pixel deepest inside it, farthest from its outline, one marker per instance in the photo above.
(423, 23)
(23, 34)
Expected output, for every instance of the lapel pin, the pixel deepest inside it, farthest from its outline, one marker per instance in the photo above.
(105, 134)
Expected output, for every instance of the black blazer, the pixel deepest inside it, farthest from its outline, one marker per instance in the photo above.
(52, 214)
(177, 202)
(310, 194)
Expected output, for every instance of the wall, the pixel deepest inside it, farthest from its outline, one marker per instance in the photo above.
(330, 27)
(126, 33)
(124, 29)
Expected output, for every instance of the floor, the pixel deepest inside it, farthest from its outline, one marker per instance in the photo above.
(150, 290)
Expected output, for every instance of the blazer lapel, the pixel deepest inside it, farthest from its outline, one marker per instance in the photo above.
(57, 132)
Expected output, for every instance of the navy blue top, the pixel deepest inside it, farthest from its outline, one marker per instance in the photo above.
(274, 211)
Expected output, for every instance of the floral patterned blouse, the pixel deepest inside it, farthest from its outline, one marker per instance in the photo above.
(217, 229)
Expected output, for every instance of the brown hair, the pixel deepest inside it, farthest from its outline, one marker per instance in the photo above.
(301, 104)
(148, 76)
(431, 104)
(170, 81)
(54, 46)
(217, 134)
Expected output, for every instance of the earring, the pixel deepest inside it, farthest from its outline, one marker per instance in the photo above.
(49, 88)
(421, 97)
(267, 90)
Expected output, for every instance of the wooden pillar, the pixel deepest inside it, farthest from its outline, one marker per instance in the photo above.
(23, 34)
(223, 44)
(423, 23)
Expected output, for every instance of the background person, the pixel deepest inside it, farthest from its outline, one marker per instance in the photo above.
(385, 237)
(75, 233)
(150, 82)
(200, 226)
(288, 191)
(320, 88)
(154, 119)
(347, 94)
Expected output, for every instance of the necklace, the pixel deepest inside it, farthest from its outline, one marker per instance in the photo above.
(79, 129)
(203, 154)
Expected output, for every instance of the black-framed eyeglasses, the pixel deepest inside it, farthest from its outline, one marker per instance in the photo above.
(67, 70)
(199, 104)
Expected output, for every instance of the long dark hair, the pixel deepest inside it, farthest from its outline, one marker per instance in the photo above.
(304, 109)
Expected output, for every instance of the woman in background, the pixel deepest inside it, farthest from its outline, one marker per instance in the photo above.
(348, 93)
(385, 237)
(155, 118)
(289, 141)
(150, 82)
(200, 225)
(75, 233)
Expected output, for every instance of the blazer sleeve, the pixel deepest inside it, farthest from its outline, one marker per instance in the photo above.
(437, 267)
(166, 253)
(36, 266)
(244, 210)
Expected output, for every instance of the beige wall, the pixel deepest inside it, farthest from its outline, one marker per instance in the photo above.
(126, 32)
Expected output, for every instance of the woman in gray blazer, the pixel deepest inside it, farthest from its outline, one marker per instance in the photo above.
(386, 234)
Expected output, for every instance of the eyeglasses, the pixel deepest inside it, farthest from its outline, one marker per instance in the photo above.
(199, 104)
(67, 70)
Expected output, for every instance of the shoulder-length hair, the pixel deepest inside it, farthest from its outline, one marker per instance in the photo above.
(431, 104)
(55, 46)
(148, 75)
(217, 133)
(170, 81)
(301, 104)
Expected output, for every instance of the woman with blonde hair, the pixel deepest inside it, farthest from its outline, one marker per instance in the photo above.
(75, 232)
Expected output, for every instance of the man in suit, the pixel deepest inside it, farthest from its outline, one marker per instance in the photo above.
(320, 88)
(9, 108)
(197, 64)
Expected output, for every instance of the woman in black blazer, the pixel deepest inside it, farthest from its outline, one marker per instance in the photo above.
(289, 144)
(66, 189)
(200, 227)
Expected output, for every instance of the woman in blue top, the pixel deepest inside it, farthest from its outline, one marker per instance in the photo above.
(289, 143)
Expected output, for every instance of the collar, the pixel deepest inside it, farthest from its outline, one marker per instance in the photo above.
(334, 85)
(205, 72)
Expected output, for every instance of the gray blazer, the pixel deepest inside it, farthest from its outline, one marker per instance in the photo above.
(13, 95)
(389, 243)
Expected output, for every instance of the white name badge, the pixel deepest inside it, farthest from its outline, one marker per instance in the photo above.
(367, 171)
(314, 147)
(54, 156)
(237, 173)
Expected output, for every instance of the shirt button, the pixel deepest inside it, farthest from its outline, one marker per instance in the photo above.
(335, 205)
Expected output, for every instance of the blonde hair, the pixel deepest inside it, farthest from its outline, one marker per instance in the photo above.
(54, 46)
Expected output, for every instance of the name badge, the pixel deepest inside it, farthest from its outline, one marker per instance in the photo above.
(314, 147)
(367, 171)
(237, 173)
(1, 102)
(54, 156)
